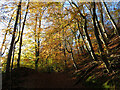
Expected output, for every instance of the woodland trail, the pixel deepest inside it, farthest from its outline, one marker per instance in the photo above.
(33, 80)
(47, 80)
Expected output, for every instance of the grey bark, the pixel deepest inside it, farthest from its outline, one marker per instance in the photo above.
(101, 34)
(116, 29)
(101, 30)
(102, 22)
(87, 35)
(104, 58)
(84, 40)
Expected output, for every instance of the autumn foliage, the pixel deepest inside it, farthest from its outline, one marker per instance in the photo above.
(82, 38)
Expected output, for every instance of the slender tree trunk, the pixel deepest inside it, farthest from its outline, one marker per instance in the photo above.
(15, 45)
(104, 58)
(36, 66)
(96, 30)
(101, 30)
(13, 57)
(76, 42)
(89, 41)
(87, 35)
(12, 41)
(20, 45)
(65, 59)
(80, 47)
(5, 35)
(72, 56)
(16, 42)
(64, 49)
(102, 35)
(116, 31)
(77, 46)
(36, 45)
(84, 40)
(38, 42)
(74, 63)
(37, 56)
(102, 22)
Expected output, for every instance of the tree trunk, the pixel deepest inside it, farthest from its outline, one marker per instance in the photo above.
(101, 30)
(116, 31)
(102, 21)
(20, 45)
(37, 57)
(15, 45)
(87, 35)
(13, 57)
(37, 44)
(102, 35)
(74, 63)
(16, 41)
(78, 50)
(65, 61)
(6, 35)
(12, 41)
(36, 52)
(84, 40)
(89, 41)
(104, 58)
(72, 56)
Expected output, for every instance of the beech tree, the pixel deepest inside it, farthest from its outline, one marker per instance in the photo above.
(55, 33)
(12, 41)
(86, 34)
(20, 45)
(104, 58)
(116, 29)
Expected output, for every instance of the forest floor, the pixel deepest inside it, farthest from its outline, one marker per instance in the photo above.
(29, 78)
(26, 78)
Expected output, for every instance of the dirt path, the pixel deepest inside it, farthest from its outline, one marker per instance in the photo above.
(47, 80)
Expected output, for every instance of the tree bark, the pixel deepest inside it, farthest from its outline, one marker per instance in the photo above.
(72, 56)
(37, 43)
(101, 30)
(101, 34)
(84, 40)
(12, 41)
(65, 61)
(116, 31)
(78, 50)
(20, 45)
(6, 35)
(15, 45)
(16, 42)
(87, 35)
(89, 41)
(104, 58)
(102, 22)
